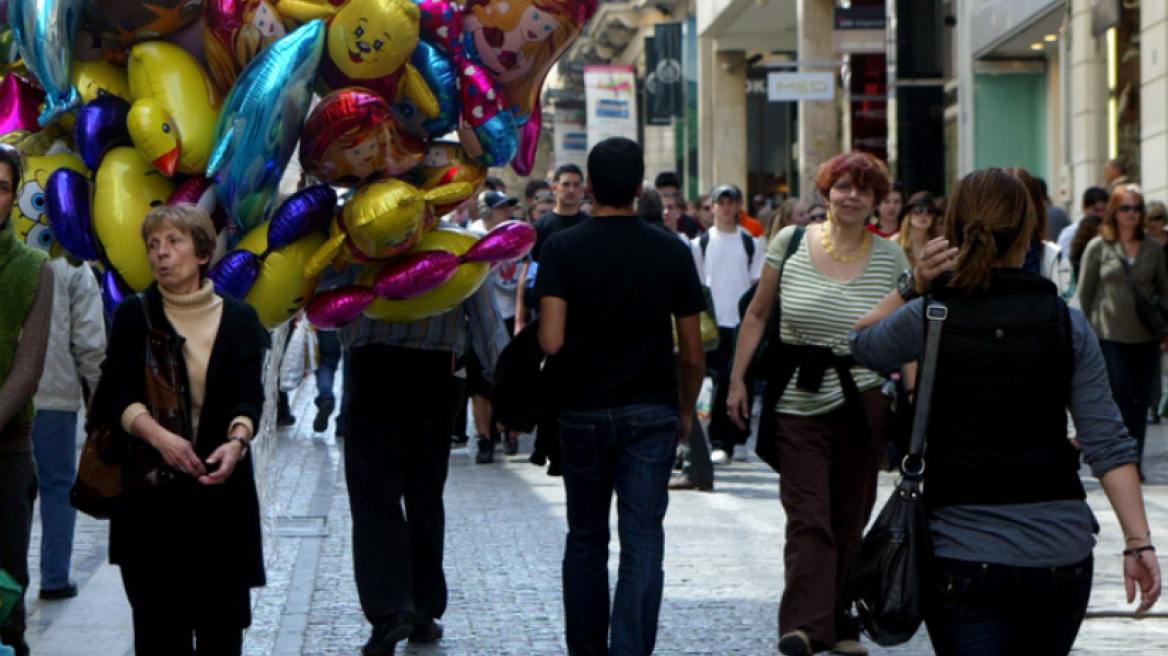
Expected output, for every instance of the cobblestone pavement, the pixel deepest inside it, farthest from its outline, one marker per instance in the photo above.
(505, 535)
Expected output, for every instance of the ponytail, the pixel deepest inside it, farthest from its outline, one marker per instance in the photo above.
(975, 259)
(990, 220)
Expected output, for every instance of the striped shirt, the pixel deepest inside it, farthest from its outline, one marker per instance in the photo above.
(817, 310)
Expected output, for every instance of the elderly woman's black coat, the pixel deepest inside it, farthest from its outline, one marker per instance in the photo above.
(213, 532)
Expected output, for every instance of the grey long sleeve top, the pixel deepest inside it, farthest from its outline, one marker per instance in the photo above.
(1107, 298)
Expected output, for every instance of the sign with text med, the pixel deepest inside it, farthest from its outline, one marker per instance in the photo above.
(796, 87)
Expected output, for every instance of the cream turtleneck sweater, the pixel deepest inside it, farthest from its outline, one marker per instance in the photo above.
(196, 318)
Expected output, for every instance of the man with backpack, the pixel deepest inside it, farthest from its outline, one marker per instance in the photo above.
(731, 261)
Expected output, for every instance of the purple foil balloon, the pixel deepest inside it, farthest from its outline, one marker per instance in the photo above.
(113, 292)
(200, 192)
(19, 105)
(236, 273)
(508, 241)
(101, 125)
(337, 307)
(305, 212)
(68, 196)
(415, 274)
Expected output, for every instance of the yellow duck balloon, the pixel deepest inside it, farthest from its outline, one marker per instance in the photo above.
(382, 220)
(466, 281)
(126, 189)
(281, 290)
(175, 108)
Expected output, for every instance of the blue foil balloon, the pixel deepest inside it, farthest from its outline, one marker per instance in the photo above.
(45, 31)
(305, 211)
(113, 292)
(261, 122)
(236, 273)
(437, 69)
(101, 125)
(68, 196)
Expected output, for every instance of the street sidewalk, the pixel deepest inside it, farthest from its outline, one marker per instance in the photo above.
(505, 536)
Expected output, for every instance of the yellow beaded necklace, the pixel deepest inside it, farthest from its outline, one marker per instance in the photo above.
(825, 241)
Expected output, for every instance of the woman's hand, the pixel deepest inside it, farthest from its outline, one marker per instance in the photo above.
(228, 456)
(738, 403)
(935, 258)
(178, 453)
(1143, 571)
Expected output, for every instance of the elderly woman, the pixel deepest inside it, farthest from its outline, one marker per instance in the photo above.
(829, 425)
(1130, 350)
(1012, 533)
(26, 305)
(190, 551)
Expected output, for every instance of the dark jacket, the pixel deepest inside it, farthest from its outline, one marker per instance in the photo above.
(211, 531)
(998, 427)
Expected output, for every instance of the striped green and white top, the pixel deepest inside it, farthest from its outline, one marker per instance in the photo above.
(820, 311)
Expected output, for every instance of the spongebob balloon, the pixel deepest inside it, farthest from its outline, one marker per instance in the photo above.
(28, 210)
(369, 43)
(175, 108)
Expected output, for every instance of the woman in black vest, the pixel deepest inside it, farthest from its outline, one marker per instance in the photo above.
(1013, 536)
(190, 551)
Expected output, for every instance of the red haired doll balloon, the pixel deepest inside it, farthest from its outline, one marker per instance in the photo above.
(234, 32)
(351, 138)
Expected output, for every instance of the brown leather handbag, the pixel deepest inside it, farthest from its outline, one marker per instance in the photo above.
(116, 468)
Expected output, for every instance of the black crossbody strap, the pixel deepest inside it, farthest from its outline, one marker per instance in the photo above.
(935, 315)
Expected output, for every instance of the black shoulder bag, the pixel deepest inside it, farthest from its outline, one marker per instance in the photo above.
(890, 573)
(766, 356)
(1150, 309)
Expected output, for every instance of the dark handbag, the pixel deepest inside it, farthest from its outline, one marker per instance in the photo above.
(890, 573)
(766, 356)
(1149, 309)
(116, 468)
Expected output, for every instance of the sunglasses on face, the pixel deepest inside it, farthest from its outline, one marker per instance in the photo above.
(1130, 208)
(923, 209)
(817, 216)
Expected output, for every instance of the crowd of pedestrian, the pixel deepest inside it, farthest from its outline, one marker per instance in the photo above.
(808, 314)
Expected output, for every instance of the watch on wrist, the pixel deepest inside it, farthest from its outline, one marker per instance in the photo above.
(243, 441)
(906, 285)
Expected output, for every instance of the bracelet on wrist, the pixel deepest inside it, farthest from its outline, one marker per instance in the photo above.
(243, 442)
(1136, 551)
(1138, 538)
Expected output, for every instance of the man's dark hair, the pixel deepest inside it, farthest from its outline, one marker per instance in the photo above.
(650, 208)
(494, 183)
(667, 179)
(616, 167)
(11, 156)
(568, 168)
(533, 188)
(1094, 196)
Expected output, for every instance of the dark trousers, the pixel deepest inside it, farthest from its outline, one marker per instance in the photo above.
(984, 609)
(1131, 368)
(176, 615)
(629, 450)
(827, 486)
(397, 451)
(326, 370)
(724, 434)
(18, 490)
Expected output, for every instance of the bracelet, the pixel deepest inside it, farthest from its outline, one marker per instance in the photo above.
(243, 441)
(1136, 551)
(1138, 538)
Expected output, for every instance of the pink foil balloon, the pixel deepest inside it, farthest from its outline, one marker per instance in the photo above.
(508, 241)
(415, 274)
(19, 105)
(340, 306)
(528, 143)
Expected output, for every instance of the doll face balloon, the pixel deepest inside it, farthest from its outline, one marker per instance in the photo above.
(235, 31)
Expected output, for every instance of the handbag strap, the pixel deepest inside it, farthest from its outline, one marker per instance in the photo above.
(935, 315)
(146, 310)
(1126, 267)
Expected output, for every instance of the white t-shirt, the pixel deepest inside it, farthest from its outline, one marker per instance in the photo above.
(504, 279)
(727, 270)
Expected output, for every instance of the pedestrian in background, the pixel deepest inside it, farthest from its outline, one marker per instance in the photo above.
(610, 291)
(190, 551)
(919, 224)
(1013, 559)
(1130, 350)
(889, 213)
(830, 423)
(76, 349)
(26, 296)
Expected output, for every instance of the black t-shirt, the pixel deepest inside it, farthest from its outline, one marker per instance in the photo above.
(551, 223)
(624, 281)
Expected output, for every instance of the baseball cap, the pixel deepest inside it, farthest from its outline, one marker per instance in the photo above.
(496, 199)
(725, 190)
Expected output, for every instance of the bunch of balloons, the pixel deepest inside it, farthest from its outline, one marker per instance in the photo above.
(123, 106)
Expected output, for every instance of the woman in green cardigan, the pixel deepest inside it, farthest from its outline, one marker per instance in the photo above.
(26, 303)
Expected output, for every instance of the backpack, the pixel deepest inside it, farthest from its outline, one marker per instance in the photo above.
(747, 243)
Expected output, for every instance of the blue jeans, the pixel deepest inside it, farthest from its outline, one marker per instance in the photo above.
(330, 357)
(54, 441)
(983, 609)
(629, 450)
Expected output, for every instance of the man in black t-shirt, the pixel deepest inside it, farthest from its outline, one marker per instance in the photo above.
(569, 190)
(611, 289)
